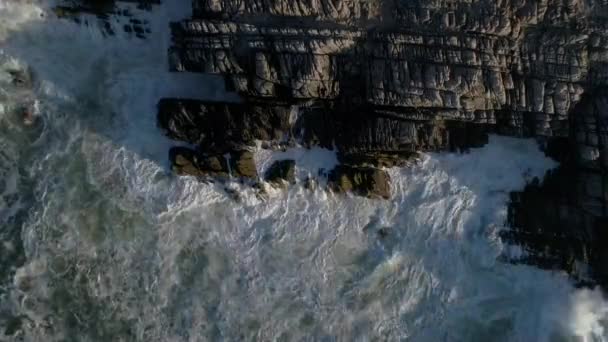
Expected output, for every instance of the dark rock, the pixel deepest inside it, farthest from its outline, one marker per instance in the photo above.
(242, 164)
(222, 126)
(234, 194)
(383, 232)
(357, 134)
(363, 181)
(561, 221)
(185, 161)
(282, 171)
(310, 184)
(13, 324)
(21, 78)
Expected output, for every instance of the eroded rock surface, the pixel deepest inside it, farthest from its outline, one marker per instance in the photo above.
(380, 80)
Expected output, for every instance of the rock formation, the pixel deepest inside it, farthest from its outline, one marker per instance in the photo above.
(102, 9)
(230, 164)
(282, 172)
(380, 80)
(363, 181)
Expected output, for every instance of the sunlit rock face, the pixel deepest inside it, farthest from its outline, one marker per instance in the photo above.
(382, 80)
(520, 65)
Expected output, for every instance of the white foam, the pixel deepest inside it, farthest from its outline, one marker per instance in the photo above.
(309, 162)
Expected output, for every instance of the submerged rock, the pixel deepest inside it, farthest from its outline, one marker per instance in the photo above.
(242, 164)
(21, 78)
(383, 232)
(27, 114)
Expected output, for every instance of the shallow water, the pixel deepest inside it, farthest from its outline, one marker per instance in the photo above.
(101, 243)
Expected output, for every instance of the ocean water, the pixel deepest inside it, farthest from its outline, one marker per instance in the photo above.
(100, 242)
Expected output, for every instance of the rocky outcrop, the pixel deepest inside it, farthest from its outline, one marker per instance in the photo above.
(363, 181)
(231, 164)
(282, 172)
(223, 126)
(380, 80)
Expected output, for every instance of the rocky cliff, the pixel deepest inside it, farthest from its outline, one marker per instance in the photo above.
(380, 80)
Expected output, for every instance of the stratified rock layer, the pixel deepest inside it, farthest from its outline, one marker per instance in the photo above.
(380, 80)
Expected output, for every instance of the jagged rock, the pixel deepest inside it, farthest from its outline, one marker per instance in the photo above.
(242, 164)
(281, 171)
(185, 161)
(222, 126)
(363, 181)
(184, 164)
(21, 78)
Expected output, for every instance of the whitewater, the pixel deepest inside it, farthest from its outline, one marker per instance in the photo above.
(99, 241)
